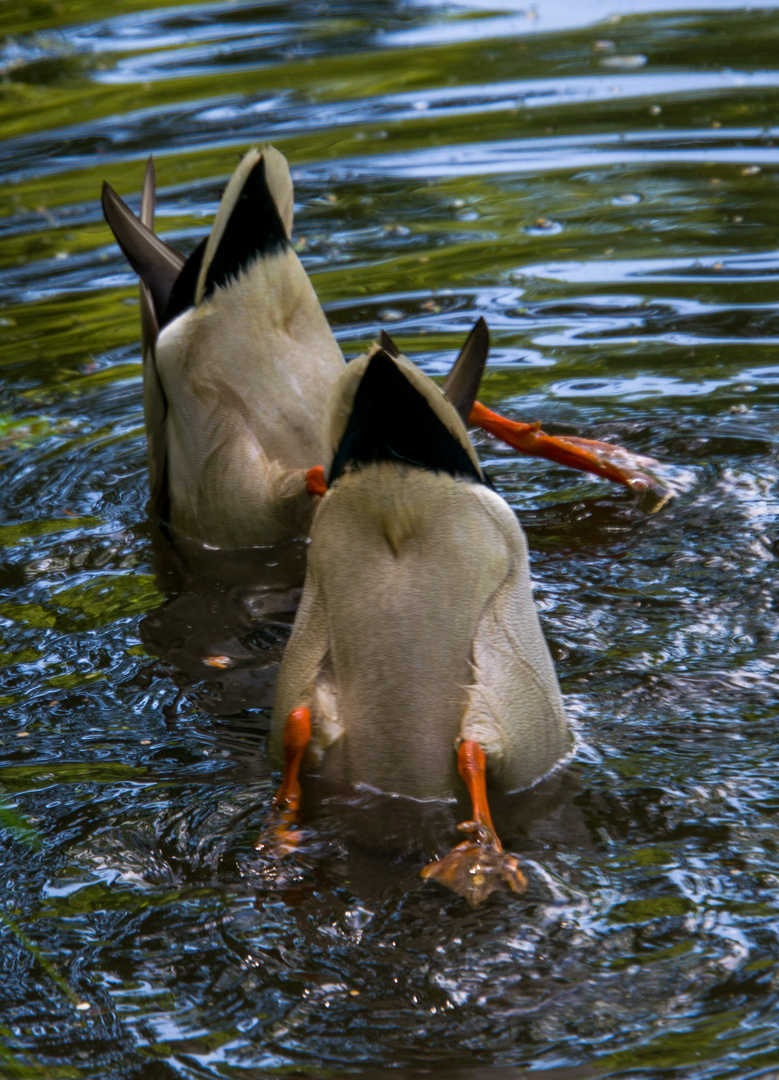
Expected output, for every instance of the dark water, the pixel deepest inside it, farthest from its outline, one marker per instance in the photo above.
(600, 182)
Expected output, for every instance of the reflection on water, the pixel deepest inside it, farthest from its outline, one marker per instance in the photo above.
(600, 185)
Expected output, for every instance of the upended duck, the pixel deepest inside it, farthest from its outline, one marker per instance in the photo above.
(416, 661)
(238, 359)
(237, 354)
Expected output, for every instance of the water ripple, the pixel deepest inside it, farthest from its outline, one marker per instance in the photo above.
(602, 190)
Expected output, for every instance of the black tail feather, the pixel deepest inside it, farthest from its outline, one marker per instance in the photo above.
(253, 231)
(462, 383)
(392, 421)
(155, 262)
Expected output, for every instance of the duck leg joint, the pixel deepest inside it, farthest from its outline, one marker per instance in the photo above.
(280, 837)
(297, 735)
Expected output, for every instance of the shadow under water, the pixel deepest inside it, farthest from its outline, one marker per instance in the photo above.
(222, 628)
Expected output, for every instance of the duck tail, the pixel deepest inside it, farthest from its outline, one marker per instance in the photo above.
(461, 385)
(254, 220)
(387, 410)
(156, 263)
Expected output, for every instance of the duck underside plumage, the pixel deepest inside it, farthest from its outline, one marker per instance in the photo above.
(238, 358)
(244, 403)
(417, 630)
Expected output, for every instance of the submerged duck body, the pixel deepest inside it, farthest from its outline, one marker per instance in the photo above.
(417, 643)
(238, 358)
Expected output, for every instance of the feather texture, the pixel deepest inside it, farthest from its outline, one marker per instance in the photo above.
(417, 626)
(238, 360)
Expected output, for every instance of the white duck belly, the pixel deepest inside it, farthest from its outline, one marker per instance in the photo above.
(406, 571)
(245, 373)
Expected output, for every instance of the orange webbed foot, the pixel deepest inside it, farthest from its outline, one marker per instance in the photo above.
(316, 484)
(587, 455)
(478, 867)
(280, 837)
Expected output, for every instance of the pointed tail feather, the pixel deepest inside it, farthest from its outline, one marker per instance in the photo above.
(462, 383)
(389, 346)
(150, 326)
(158, 266)
(156, 263)
(149, 195)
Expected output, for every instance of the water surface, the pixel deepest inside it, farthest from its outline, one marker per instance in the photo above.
(600, 182)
